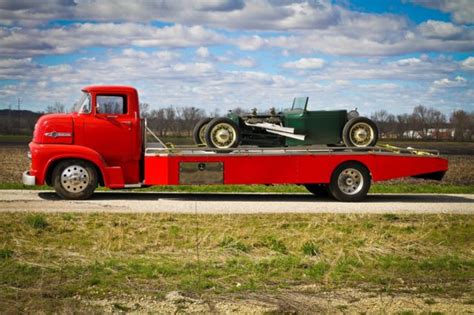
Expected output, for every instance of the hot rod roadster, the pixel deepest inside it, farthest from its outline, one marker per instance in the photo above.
(294, 127)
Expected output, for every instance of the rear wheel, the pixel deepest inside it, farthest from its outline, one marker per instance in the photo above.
(74, 179)
(199, 131)
(319, 190)
(360, 132)
(350, 182)
(222, 133)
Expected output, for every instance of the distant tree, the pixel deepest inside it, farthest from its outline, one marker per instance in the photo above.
(384, 121)
(402, 124)
(144, 110)
(56, 108)
(462, 124)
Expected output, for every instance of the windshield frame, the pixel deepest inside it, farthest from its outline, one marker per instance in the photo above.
(80, 106)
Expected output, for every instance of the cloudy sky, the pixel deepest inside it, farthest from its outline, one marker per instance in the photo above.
(219, 54)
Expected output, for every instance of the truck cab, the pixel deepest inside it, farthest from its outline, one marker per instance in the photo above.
(100, 142)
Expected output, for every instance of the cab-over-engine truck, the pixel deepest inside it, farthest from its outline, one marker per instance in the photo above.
(103, 142)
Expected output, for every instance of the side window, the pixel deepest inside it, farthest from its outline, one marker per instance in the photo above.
(111, 104)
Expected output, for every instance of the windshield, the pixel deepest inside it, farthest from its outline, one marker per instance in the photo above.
(84, 104)
(299, 103)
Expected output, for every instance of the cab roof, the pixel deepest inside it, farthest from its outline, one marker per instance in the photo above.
(109, 88)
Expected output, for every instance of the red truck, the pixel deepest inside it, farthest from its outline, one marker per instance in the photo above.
(103, 142)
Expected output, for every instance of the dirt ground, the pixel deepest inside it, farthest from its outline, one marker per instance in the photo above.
(300, 300)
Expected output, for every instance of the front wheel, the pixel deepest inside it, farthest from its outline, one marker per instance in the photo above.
(350, 182)
(360, 132)
(74, 179)
(222, 133)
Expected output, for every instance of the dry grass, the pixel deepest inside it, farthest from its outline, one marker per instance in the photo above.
(57, 258)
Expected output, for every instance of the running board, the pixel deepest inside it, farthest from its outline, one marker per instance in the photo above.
(288, 135)
(268, 126)
(278, 130)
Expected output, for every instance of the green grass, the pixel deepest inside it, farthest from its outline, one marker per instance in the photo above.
(376, 188)
(15, 139)
(55, 257)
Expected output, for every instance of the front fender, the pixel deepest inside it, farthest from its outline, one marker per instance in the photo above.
(45, 156)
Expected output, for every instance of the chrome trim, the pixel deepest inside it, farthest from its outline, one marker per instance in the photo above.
(133, 185)
(28, 179)
(55, 134)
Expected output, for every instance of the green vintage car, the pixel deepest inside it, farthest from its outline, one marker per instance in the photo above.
(294, 127)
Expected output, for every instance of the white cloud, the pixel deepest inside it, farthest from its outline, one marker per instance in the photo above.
(468, 63)
(59, 40)
(203, 52)
(446, 83)
(439, 29)
(305, 63)
(245, 62)
(462, 11)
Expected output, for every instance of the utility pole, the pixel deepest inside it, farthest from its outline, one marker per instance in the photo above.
(19, 115)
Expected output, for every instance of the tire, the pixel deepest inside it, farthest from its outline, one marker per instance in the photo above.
(350, 182)
(222, 133)
(74, 179)
(360, 132)
(199, 131)
(319, 190)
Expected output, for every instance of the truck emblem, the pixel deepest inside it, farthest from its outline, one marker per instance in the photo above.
(55, 134)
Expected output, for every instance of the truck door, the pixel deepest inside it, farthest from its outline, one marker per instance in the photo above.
(111, 132)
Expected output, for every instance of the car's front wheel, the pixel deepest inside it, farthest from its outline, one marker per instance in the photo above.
(74, 179)
(222, 133)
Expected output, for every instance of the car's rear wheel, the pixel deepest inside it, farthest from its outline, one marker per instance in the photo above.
(222, 133)
(350, 182)
(199, 131)
(319, 190)
(360, 132)
(74, 179)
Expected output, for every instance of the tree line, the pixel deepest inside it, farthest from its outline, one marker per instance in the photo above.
(425, 123)
(422, 123)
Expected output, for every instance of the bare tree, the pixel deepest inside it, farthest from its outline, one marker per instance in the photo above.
(461, 122)
(144, 110)
(56, 108)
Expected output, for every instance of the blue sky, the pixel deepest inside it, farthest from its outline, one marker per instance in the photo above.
(220, 54)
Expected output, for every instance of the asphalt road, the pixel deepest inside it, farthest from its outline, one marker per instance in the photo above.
(134, 202)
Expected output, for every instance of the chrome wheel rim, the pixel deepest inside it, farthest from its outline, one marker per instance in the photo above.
(75, 179)
(223, 135)
(361, 134)
(350, 181)
(202, 134)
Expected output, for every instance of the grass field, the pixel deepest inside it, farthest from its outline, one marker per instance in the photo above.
(324, 263)
(91, 261)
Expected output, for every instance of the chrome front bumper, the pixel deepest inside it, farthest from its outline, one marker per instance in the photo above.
(28, 180)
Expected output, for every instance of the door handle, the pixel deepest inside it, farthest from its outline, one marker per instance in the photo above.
(128, 123)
